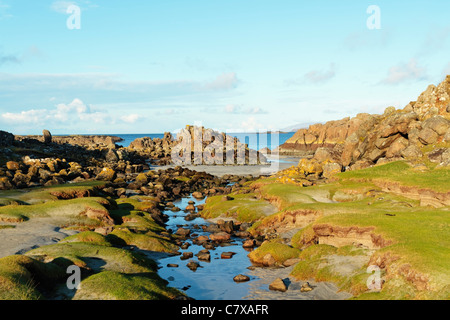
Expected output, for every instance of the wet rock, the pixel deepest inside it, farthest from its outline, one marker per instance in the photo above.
(220, 236)
(172, 265)
(183, 232)
(185, 245)
(241, 278)
(204, 255)
(227, 226)
(193, 265)
(186, 255)
(278, 285)
(227, 255)
(198, 195)
(250, 243)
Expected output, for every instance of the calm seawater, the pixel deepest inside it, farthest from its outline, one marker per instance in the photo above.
(255, 141)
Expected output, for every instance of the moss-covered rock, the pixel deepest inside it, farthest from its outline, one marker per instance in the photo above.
(110, 285)
(273, 253)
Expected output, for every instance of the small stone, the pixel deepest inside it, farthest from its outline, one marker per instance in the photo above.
(291, 262)
(227, 255)
(249, 243)
(186, 255)
(193, 265)
(172, 265)
(241, 278)
(306, 287)
(183, 232)
(204, 256)
(198, 195)
(278, 285)
(220, 236)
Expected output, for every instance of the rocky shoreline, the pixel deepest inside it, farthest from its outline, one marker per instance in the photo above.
(354, 205)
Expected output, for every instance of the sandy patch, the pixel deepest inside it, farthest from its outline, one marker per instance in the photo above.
(31, 234)
(259, 288)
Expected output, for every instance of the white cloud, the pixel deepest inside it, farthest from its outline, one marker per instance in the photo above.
(235, 109)
(26, 117)
(405, 72)
(314, 76)
(320, 76)
(61, 6)
(131, 118)
(4, 14)
(75, 112)
(224, 81)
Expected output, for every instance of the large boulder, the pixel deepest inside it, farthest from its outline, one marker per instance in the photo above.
(47, 136)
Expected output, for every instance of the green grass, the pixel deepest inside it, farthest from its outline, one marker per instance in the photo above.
(244, 207)
(110, 258)
(145, 241)
(109, 285)
(279, 251)
(419, 236)
(89, 237)
(74, 208)
(21, 277)
(401, 172)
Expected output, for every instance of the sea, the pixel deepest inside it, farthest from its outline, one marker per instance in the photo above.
(255, 141)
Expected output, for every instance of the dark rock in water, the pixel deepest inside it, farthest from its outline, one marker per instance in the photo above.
(172, 265)
(241, 278)
(183, 232)
(227, 226)
(220, 236)
(193, 265)
(204, 256)
(249, 243)
(47, 136)
(185, 245)
(186, 255)
(227, 255)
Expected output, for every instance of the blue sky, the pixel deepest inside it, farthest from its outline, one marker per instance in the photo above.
(153, 66)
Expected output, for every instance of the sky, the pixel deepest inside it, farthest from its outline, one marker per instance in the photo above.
(116, 67)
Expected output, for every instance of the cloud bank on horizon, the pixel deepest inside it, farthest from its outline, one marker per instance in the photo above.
(148, 67)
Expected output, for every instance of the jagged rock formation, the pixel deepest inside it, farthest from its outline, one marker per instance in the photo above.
(419, 131)
(205, 146)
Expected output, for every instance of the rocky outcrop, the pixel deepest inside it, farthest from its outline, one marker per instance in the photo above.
(86, 141)
(364, 140)
(205, 146)
(157, 149)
